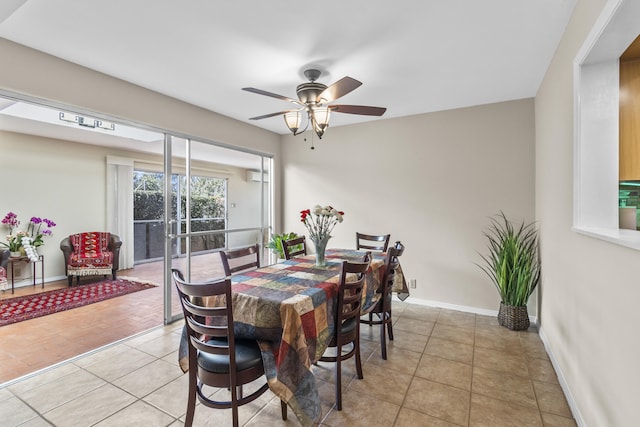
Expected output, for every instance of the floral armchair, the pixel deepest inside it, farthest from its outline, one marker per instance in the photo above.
(91, 253)
(4, 260)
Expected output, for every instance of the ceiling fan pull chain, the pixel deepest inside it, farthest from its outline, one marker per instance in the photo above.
(305, 140)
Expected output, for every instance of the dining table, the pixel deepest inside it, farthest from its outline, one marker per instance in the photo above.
(290, 308)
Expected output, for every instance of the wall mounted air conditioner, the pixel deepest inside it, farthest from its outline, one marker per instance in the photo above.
(254, 176)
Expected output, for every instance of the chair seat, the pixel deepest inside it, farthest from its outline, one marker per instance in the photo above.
(349, 325)
(248, 355)
(79, 260)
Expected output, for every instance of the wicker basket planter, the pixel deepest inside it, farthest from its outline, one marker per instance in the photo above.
(513, 317)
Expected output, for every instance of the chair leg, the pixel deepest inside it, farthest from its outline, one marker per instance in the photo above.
(383, 341)
(234, 414)
(70, 279)
(283, 408)
(191, 401)
(390, 328)
(339, 378)
(234, 405)
(358, 359)
(113, 274)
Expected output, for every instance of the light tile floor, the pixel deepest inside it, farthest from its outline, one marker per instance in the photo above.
(445, 368)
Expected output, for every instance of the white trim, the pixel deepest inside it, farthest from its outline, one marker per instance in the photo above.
(575, 412)
(618, 236)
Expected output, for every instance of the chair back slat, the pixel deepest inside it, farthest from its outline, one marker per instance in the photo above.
(372, 241)
(241, 259)
(350, 291)
(204, 322)
(294, 247)
(390, 266)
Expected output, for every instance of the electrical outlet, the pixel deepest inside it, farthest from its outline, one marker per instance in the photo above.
(412, 283)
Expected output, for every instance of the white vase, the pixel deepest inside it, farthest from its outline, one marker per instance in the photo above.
(15, 254)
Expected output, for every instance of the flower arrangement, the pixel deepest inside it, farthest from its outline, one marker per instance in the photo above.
(320, 220)
(29, 239)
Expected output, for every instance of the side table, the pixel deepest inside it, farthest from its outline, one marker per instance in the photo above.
(40, 260)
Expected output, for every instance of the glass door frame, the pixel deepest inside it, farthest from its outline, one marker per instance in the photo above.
(172, 225)
(267, 207)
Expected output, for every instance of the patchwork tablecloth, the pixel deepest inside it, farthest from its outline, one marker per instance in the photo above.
(289, 308)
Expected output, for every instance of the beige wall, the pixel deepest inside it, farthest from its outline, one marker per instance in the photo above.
(589, 287)
(430, 180)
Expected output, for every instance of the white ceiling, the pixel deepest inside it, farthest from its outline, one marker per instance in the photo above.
(413, 56)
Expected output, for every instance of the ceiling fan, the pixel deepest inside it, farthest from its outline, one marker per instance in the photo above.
(314, 99)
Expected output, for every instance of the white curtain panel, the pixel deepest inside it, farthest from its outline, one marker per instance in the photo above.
(120, 205)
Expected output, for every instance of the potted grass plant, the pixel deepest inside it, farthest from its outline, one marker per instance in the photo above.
(513, 265)
(275, 244)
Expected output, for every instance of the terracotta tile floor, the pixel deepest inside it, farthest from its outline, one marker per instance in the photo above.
(445, 368)
(29, 346)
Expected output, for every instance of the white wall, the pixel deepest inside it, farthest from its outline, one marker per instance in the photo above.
(244, 209)
(61, 181)
(431, 181)
(589, 287)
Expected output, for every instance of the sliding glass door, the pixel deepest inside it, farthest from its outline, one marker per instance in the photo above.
(216, 198)
(175, 202)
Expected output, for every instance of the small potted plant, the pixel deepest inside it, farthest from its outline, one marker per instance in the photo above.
(275, 244)
(513, 265)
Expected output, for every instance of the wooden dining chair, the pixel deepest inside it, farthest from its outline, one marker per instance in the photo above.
(216, 357)
(372, 242)
(241, 259)
(382, 309)
(347, 327)
(293, 247)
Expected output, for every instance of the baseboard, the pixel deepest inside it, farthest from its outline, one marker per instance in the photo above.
(464, 308)
(22, 283)
(563, 383)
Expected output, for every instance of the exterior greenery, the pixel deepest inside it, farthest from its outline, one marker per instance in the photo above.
(513, 262)
(207, 196)
(207, 212)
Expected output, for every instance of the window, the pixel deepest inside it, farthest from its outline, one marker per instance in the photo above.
(208, 212)
(596, 101)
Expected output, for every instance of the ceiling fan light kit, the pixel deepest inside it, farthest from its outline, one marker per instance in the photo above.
(313, 98)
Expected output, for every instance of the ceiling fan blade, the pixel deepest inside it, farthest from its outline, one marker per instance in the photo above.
(273, 95)
(266, 116)
(358, 109)
(338, 89)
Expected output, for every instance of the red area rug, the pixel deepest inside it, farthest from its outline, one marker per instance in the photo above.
(17, 309)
